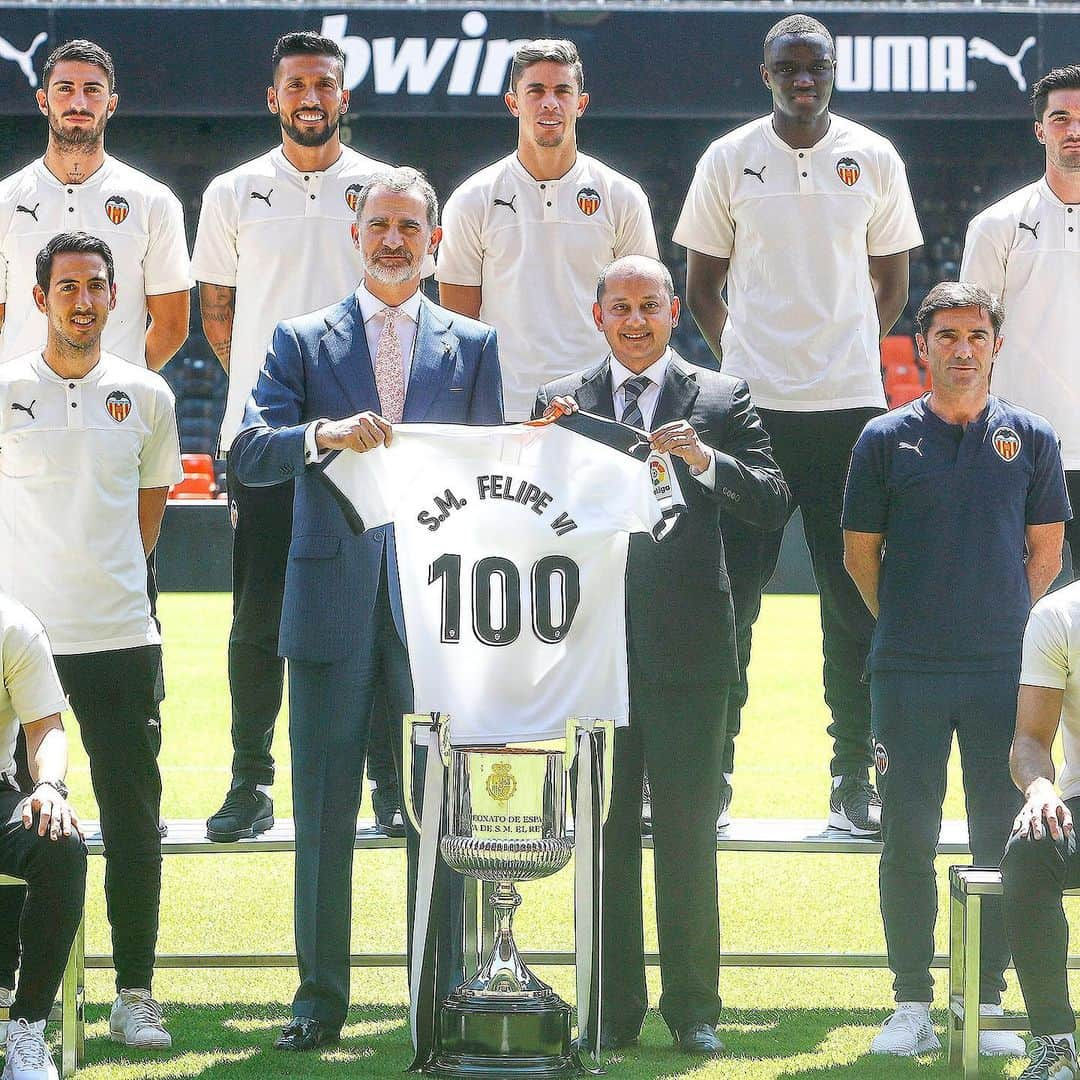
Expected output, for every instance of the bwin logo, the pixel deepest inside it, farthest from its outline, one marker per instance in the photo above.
(414, 65)
(912, 64)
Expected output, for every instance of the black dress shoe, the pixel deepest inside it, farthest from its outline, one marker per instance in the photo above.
(386, 803)
(611, 1039)
(246, 812)
(306, 1033)
(700, 1039)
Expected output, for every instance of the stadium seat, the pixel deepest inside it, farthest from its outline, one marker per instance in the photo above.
(199, 481)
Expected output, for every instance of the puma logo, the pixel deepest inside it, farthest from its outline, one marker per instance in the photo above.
(981, 49)
(510, 204)
(1033, 229)
(20, 209)
(24, 59)
(25, 408)
(911, 446)
(759, 174)
(265, 198)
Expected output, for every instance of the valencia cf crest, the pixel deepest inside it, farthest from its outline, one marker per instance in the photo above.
(117, 209)
(847, 168)
(234, 514)
(881, 758)
(1006, 443)
(118, 405)
(352, 195)
(588, 201)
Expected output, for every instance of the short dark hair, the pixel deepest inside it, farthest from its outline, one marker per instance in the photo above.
(404, 178)
(306, 43)
(958, 294)
(83, 52)
(644, 263)
(1062, 78)
(552, 50)
(799, 26)
(71, 243)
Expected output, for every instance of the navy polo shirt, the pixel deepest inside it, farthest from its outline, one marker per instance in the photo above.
(953, 502)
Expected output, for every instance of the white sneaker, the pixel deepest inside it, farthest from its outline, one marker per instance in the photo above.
(999, 1043)
(7, 999)
(136, 1020)
(27, 1056)
(907, 1032)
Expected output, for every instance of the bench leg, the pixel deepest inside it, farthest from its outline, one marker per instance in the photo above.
(956, 972)
(970, 991)
(71, 1007)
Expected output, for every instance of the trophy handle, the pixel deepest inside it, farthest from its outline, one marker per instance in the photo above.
(574, 724)
(437, 725)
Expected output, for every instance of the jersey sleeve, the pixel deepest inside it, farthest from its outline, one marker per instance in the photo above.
(215, 257)
(369, 484)
(1046, 647)
(634, 231)
(166, 268)
(1047, 497)
(159, 460)
(30, 674)
(461, 252)
(706, 224)
(985, 256)
(894, 226)
(866, 496)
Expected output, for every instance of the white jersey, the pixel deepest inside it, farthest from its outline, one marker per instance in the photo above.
(279, 237)
(511, 549)
(1052, 659)
(536, 248)
(30, 688)
(73, 455)
(140, 219)
(799, 227)
(1025, 249)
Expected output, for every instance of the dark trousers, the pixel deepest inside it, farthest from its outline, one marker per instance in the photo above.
(1034, 874)
(813, 449)
(915, 715)
(262, 530)
(56, 874)
(675, 733)
(1072, 528)
(329, 719)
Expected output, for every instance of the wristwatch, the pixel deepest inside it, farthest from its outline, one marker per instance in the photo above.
(57, 785)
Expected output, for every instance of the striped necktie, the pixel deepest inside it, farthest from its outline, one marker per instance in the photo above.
(632, 390)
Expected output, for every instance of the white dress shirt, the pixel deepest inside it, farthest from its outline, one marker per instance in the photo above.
(373, 312)
(647, 400)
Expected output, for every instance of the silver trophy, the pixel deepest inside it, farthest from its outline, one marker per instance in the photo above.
(506, 822)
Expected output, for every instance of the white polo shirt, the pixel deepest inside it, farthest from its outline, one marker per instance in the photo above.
(282, 239)
(799, 227)
(1025, 249)
(140, 219)
(73, 455)
(30, 689)
(536, 248)
(1052, 659)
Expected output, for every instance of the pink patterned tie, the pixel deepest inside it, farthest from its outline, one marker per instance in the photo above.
(389, 376)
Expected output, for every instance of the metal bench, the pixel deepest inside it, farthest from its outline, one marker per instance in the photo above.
(188, 837)
(967, 887)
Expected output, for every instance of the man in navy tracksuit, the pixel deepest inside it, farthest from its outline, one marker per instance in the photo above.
(953, 524)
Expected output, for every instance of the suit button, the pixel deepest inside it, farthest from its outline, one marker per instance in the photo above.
(376, 534)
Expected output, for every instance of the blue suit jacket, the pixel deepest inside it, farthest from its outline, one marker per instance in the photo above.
(319, 367)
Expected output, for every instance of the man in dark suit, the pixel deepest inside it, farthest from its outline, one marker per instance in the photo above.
(681, 643)
(339, 379)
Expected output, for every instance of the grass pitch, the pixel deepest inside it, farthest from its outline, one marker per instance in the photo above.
(777, 1023)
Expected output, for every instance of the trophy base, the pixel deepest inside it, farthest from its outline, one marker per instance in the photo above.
(504, 1040)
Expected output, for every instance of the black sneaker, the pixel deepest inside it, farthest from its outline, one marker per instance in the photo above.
(1049, 1059)
(386, 802)
(646, 806)
(855, 807)
(245, 813)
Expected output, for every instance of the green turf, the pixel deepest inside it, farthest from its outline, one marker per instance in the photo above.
(777, 1023)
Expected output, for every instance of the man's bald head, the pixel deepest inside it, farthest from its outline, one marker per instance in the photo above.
(637, 265)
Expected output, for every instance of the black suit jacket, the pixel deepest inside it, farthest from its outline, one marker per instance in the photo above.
(681, 622)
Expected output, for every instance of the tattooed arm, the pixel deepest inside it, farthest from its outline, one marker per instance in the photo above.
(217, 304)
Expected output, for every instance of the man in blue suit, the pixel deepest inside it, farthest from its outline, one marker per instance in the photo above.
(339, 379)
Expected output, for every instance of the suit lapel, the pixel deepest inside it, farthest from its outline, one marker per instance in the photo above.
(433, 361)
(594, 394)
(345, 345)
(677, 394)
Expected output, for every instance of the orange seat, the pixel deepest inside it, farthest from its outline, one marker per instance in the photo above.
(901, 391)
(897, 353)
(199, 481)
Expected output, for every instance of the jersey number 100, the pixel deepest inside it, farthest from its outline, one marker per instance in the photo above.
(496, 598)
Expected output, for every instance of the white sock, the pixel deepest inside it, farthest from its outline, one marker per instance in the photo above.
(1067, 1037)
(264, 788)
